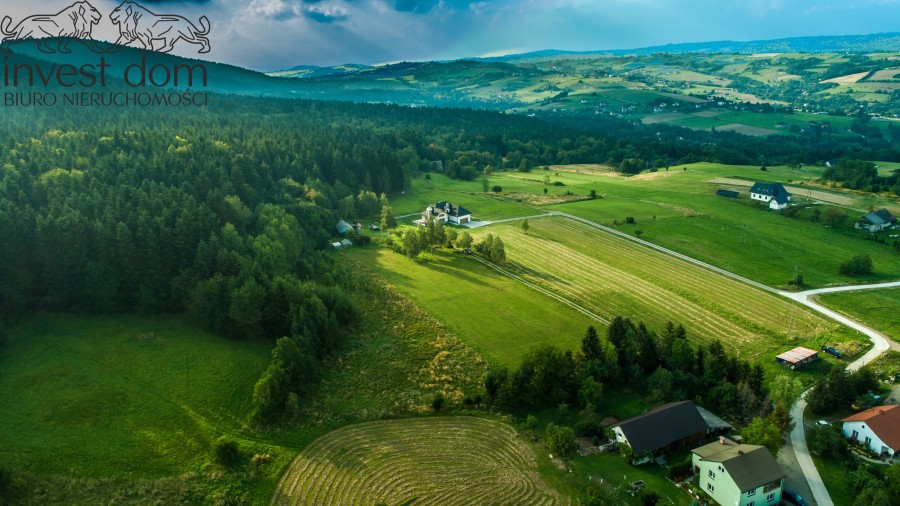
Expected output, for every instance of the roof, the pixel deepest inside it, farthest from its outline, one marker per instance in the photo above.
(713, 421)
(774, 190)
(749, 466)
(884, 422)
(727, 193)
(796, 355)
(879, 217)
(343, 227)
(454, 209)
(662, 425)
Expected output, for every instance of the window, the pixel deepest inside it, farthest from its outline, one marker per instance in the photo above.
(770, 497)
(751, 493)
(868, 440)
(750, 503)
(855, 434)
(710, 487)
(712, 474)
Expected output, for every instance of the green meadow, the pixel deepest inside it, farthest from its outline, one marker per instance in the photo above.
(878, 309)
(121, 395)
(498, 317)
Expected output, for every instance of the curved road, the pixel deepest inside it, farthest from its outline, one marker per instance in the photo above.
(881, 344)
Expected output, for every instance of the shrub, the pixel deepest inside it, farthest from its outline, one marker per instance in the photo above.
(496, 188)
(859, 265)
(629, 219)
(679, 470)
(226, 452)
(438, 402)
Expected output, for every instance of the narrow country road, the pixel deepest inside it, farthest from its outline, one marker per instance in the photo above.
(881, 344)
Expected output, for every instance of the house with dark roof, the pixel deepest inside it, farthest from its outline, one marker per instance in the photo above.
(773, 193)
(662, 430)
(447, 213)
(878, 428)
(876, 220)
(738, 474)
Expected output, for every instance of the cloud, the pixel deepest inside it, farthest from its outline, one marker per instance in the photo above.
(328, 14)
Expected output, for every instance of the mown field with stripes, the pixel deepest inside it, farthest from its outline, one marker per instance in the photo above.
(612, 276)
(422, 461)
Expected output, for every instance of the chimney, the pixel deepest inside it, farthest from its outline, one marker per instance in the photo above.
(721, 440)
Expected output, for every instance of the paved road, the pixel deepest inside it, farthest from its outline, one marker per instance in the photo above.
(881, 344)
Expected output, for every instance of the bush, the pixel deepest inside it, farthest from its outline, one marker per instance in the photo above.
(496, 188)
(438, 402)
(226, 452)
(629, 219)
(679, 470)
(648, 497)
(827, 442)
(5, 484)
(859, 265)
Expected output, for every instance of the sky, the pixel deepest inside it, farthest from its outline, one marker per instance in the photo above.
(277, 34)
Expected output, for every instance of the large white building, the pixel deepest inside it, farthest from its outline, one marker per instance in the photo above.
(773, 193)
(447, 213)
(878, 428)
(736, 474)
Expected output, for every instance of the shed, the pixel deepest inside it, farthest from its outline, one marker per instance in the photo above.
(346, 243)
(797, 357)
(727, 193)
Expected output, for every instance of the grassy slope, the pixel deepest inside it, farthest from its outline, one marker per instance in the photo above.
(500, 318)
(875, 308)
(690, 219)
(88, 396)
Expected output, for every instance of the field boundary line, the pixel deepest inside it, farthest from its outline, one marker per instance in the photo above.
(544, 291)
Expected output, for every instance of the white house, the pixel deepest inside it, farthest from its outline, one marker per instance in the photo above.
(773, 193)
(447, 213)
(736, 474)
(876, 220)
(878, 428)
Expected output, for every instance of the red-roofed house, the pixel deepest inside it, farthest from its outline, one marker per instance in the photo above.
(878, 427)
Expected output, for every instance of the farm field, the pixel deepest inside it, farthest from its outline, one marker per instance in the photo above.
(498, 317)
(877, 309)
(434, 460)
(612, 276)
(678, 209)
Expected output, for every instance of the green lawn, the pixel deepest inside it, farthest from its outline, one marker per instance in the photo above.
(500, 318)
(616, 475)
(877, 309)
(95, 396)
(834, 474)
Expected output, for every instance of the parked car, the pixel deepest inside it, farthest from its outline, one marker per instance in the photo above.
(823, 423)
(833, 351)
(793, 497)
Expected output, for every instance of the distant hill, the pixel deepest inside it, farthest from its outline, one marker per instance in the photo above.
(310, 71)
(877, 42)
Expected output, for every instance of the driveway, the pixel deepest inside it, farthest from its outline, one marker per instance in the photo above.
(795, 479)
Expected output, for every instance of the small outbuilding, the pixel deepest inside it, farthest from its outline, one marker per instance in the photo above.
(876, 220)
(727, 193)
(797, 357)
